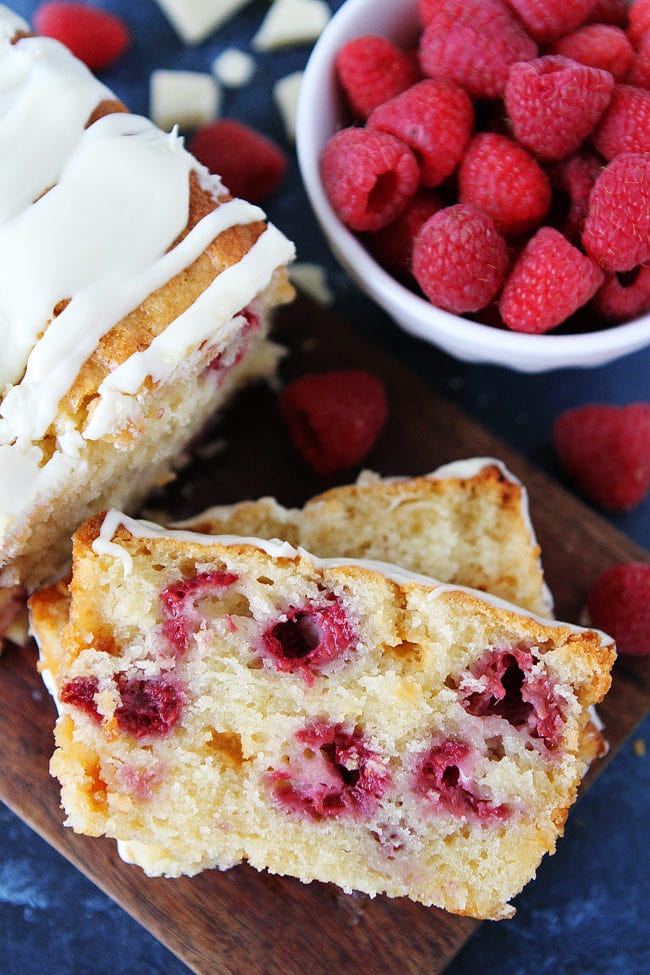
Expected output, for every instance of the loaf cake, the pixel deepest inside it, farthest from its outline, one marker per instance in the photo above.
(226, 699)
(467, 523)
(135, 296)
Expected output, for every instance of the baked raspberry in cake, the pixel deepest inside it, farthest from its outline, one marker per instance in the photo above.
(135, 296)
(225, 699)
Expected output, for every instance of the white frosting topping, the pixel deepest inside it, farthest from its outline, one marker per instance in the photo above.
(10, 23)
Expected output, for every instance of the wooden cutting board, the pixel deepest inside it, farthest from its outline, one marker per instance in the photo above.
(242, 921)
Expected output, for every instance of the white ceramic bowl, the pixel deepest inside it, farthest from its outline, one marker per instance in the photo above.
(320, 114)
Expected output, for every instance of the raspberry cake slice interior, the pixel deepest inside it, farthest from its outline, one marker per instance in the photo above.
(226, 699)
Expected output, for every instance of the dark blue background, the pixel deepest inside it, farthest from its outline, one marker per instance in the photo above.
(587, 913)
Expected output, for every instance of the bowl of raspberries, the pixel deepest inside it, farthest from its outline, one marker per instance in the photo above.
(481, 168)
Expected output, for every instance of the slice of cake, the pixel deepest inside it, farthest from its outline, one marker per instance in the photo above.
(135, 296)
(226, 699)
(467, 522)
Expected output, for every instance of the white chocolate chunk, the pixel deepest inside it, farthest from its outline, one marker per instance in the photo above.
(290, 22)
(310, 279)
(194, 20)
(285, 95)
(184, 98)
(233, 68)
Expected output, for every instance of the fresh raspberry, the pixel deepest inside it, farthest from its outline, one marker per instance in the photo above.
(625, 126)
(459, 259)
(619, 604)
(95, 36)
(182, 615)
(640, 73)
(369, 177)
(474, 42)
(371, 70)
(606, 451)
(334, 418)
(435, 119)
(599, 46)
(504, 180)
(309, 638)
(428, 8)
(554, 104)
(546, 20)
(638, 20)
(551, 279)
(335, 773)
(250, 165)
(149, 706)
(617, 228)
(609, 12)
(443, 777)
(621, 300)
(576, 177)
(392, 246)
(80, 692)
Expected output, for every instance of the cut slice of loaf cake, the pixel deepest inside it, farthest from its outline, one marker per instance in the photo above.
(135, 296)
(467, 522)
(226, 699)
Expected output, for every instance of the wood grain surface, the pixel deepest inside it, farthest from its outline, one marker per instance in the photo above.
(242, 921)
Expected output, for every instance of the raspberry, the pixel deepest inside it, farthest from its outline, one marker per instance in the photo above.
(474, 42)
(625, 126)
(149, 706)
(609, 12)
(435, 119)
(622, 300)
(336, 773)
(250, 165)
(639, 20)
(393, 245)
(95, 36)
(368, 176)
(640, 74)
(619, 604)
(334, 417)
(180, 612)
(459, 259)
(605, 450)
(504, 180)
(371, 70)
(546, 20)
(617, 228)
(555, 103)
(576, 177)
(549, 282)
(599, 46)
(443, 777)
(310, 638)
(80, 692)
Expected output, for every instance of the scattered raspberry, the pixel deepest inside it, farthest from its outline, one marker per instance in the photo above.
(599, 46)
(640, 74)
(334, 418)
(551, 279)
(443, 776)
(182, 615)
(622, 298)
(392, 246)
(625, 126)
(474, 42)
(95, 36)
(368, 176)
(435, 119)
(555, 103)
(504, 180)
(371, 70)
(617, 228)
(619, 604)
(80, 692)
(149, 706)
(546, 20)
(639, 20)
(335, 773)
(310, 638)
(526, 699)
(609, 12)
(576, 177)
(606, 451)
(459, 259)
(250, 165)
